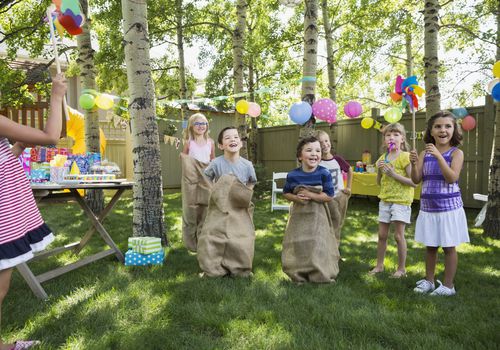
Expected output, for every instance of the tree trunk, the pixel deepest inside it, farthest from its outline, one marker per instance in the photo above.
(431, 60)
(409, 55)
(238, 49)
(148, 193)
(310, 60)
(94, 198)
(180, 51)
(253, 137)
(491, 223)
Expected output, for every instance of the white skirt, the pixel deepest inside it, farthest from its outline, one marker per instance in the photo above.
(442, 229)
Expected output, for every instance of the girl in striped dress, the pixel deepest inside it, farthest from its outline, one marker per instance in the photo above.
(441, 221)
(22, 230)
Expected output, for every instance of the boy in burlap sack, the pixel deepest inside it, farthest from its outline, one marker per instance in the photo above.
(226, 242)
(310, 250)
(336, 165)
(198, 151)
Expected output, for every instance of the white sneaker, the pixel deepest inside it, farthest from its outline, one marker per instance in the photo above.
(424, 287)
(443, 290)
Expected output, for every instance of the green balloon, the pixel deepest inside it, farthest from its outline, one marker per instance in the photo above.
(393, 115)
(87, 101)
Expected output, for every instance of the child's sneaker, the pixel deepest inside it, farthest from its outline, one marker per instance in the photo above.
(424, 287)
(443, 290)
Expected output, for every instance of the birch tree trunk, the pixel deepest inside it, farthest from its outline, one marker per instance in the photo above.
(310, 60)
(491, 223)
(148, 193)
(85, 60)
(180, 51)
(409, 55)
(238, 49)
(253, 136)
(431, 60)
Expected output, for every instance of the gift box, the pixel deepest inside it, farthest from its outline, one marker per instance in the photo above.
(136, 259)
(145, 245)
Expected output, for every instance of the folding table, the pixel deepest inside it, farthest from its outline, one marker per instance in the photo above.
(45, 192)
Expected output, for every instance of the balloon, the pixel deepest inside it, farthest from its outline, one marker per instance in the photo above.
(324, 109)
(300, 112)
(468, 123)
(496, 92)
(253, 110)
(393, 115)
(242, 106)
(331, 119)
(87, 101)
(459, 112)
(496, 69)
(396, 97)
(104, 101)
(492, 84)
(367, 123)
(353, 109)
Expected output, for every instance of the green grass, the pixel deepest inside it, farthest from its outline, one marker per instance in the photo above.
(106, 305)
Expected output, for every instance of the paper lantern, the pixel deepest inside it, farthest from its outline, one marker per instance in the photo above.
(353, 109)
(87, 101)
(242, 106)
(300, 112)
(468, 123)
(367, 123)
(324, 109)
(492, 84)
(496, 69)
(459, 112)
(496, 92)
(393, 115)
(253, 110)
(104, 101)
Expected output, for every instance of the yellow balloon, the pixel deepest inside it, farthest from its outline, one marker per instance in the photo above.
(367, 123)
(496, 69)
(104, 101)
(242, 106)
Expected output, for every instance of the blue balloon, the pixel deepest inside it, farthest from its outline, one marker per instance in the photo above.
(300, 112)
(459, 112)
(496, 92)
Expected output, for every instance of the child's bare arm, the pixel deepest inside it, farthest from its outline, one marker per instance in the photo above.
(321, 197)
(389, 171)
(296, 198)
(417, 163)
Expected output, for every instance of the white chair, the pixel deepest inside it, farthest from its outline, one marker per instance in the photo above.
(482, 214)
(278, 190)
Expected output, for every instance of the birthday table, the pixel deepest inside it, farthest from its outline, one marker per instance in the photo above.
(366, 184)
(45, 192)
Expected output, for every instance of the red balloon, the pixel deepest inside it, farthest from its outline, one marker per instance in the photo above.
(468, 123)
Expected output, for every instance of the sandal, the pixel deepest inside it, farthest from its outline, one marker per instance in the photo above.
(398, 274)
(374, 272)
(25, 344)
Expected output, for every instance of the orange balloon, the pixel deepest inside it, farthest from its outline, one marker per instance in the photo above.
(396, 97)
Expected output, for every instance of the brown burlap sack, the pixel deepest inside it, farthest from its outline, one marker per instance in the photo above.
(226, 242)
(338, 211)
(310, 250)
(195, 188)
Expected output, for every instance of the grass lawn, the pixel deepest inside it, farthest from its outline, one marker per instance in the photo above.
(106, 305)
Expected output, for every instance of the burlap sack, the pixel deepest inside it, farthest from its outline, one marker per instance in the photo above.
(195, 188)
(226, 242)
(310, 250)
(338, 211)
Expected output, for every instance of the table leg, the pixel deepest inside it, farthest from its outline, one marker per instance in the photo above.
(97, 225)
(32, 281)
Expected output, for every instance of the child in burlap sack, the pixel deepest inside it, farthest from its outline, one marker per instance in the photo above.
(226, 242)
(198, 151)
(310, 250)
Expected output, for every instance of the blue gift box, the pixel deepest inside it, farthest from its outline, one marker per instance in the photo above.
(135, 259)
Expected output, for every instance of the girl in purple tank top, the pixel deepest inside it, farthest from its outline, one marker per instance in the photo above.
(441, 221)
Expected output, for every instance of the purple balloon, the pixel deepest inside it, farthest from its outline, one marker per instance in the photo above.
(353, 109)
(324, 109)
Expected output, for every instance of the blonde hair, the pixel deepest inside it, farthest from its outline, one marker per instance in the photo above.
(322, 133)
(188, 133)
(399, 128)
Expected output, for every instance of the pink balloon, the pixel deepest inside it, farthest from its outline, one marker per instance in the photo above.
(468, 123)
(324, 109)
(353, 109)
(253, 109)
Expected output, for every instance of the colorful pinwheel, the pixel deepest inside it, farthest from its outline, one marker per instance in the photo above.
(68, 16)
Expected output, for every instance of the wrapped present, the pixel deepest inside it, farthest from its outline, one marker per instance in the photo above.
(50, 154)
(35, 154)
(42, 153)
(145, 245)
(136, 259)
(25, 161)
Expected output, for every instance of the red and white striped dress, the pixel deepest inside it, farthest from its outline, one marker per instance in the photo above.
(22, 230)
